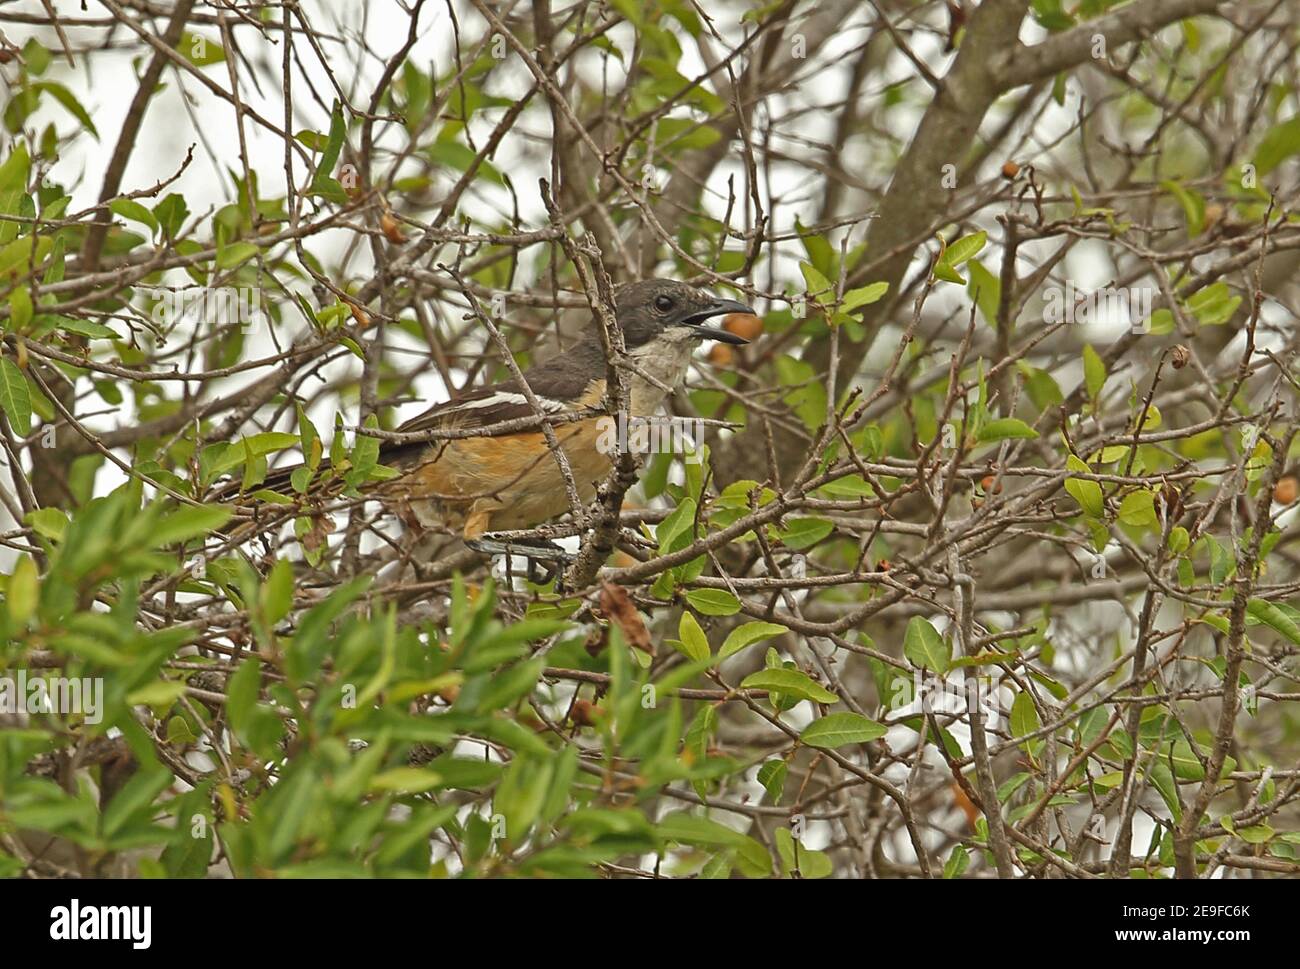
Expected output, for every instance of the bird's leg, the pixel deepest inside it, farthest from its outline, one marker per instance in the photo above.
(538, 549)
(478, 538)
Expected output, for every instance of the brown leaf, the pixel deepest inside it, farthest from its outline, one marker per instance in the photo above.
(617, 606)
(318, 534)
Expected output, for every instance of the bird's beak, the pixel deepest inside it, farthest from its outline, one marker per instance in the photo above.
(719, 307)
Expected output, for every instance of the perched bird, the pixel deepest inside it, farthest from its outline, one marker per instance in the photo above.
(503, 482)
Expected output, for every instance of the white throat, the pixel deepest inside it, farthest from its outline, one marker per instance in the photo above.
(666, 358)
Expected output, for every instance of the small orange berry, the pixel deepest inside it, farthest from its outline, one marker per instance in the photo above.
(391, 228)
(585, 713)
(745, 325)
(361, 317)
(1284, 492)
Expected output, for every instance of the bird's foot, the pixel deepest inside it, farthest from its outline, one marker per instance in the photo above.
(534, 549)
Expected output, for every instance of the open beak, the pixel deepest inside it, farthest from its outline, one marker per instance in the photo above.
(719, 307)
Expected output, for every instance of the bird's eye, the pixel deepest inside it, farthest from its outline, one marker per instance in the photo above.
(663, 303)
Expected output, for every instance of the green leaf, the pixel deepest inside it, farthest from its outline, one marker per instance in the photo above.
(790, 683)
(1162, 779)
(1138, 509)
(464, 772)
(805, 532)
(772, 776)
(1040, 385)
(15, 399)
(808, 396)
(23, 591)
(293, 800)
(189, 522)
(965, 248)
(1161, 322)
(1279, 143)
(454, 155)
(818, 285)
(957, 253)
(747, 634)
(695, 644)
(1213, 305)
(1256, 834)
(986, 290)
(864, 296)
(522, 793)
(66, 98)
(131, 209)
(713, 602)
(48, 522)
(944, 271)
(1086, 493)
(795, 857)
(171, 213)
(237, 252)
(323, 182)
(15, 170)
(159, 693)
(277, 593)
(957, 863)
(719, 866)
(924, 647)
(405, 780)
(1024, 715)
(86, 328)
(20, 309)
(1273, 617)
(241, 693)
(1004, 428)
(677, 530)
(690, 829)
(22, 252)
(252, 446)
(1051, 15)
(1192, 203)
(134, 798)
(200, 51)
(1189, 764)
(837, 729)
(1094, 371)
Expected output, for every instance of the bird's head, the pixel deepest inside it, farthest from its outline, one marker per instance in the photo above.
(655, 308)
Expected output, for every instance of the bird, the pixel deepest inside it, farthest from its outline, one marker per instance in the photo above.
(480, 485)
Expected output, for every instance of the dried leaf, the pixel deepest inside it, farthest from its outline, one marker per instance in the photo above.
(617, 606)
